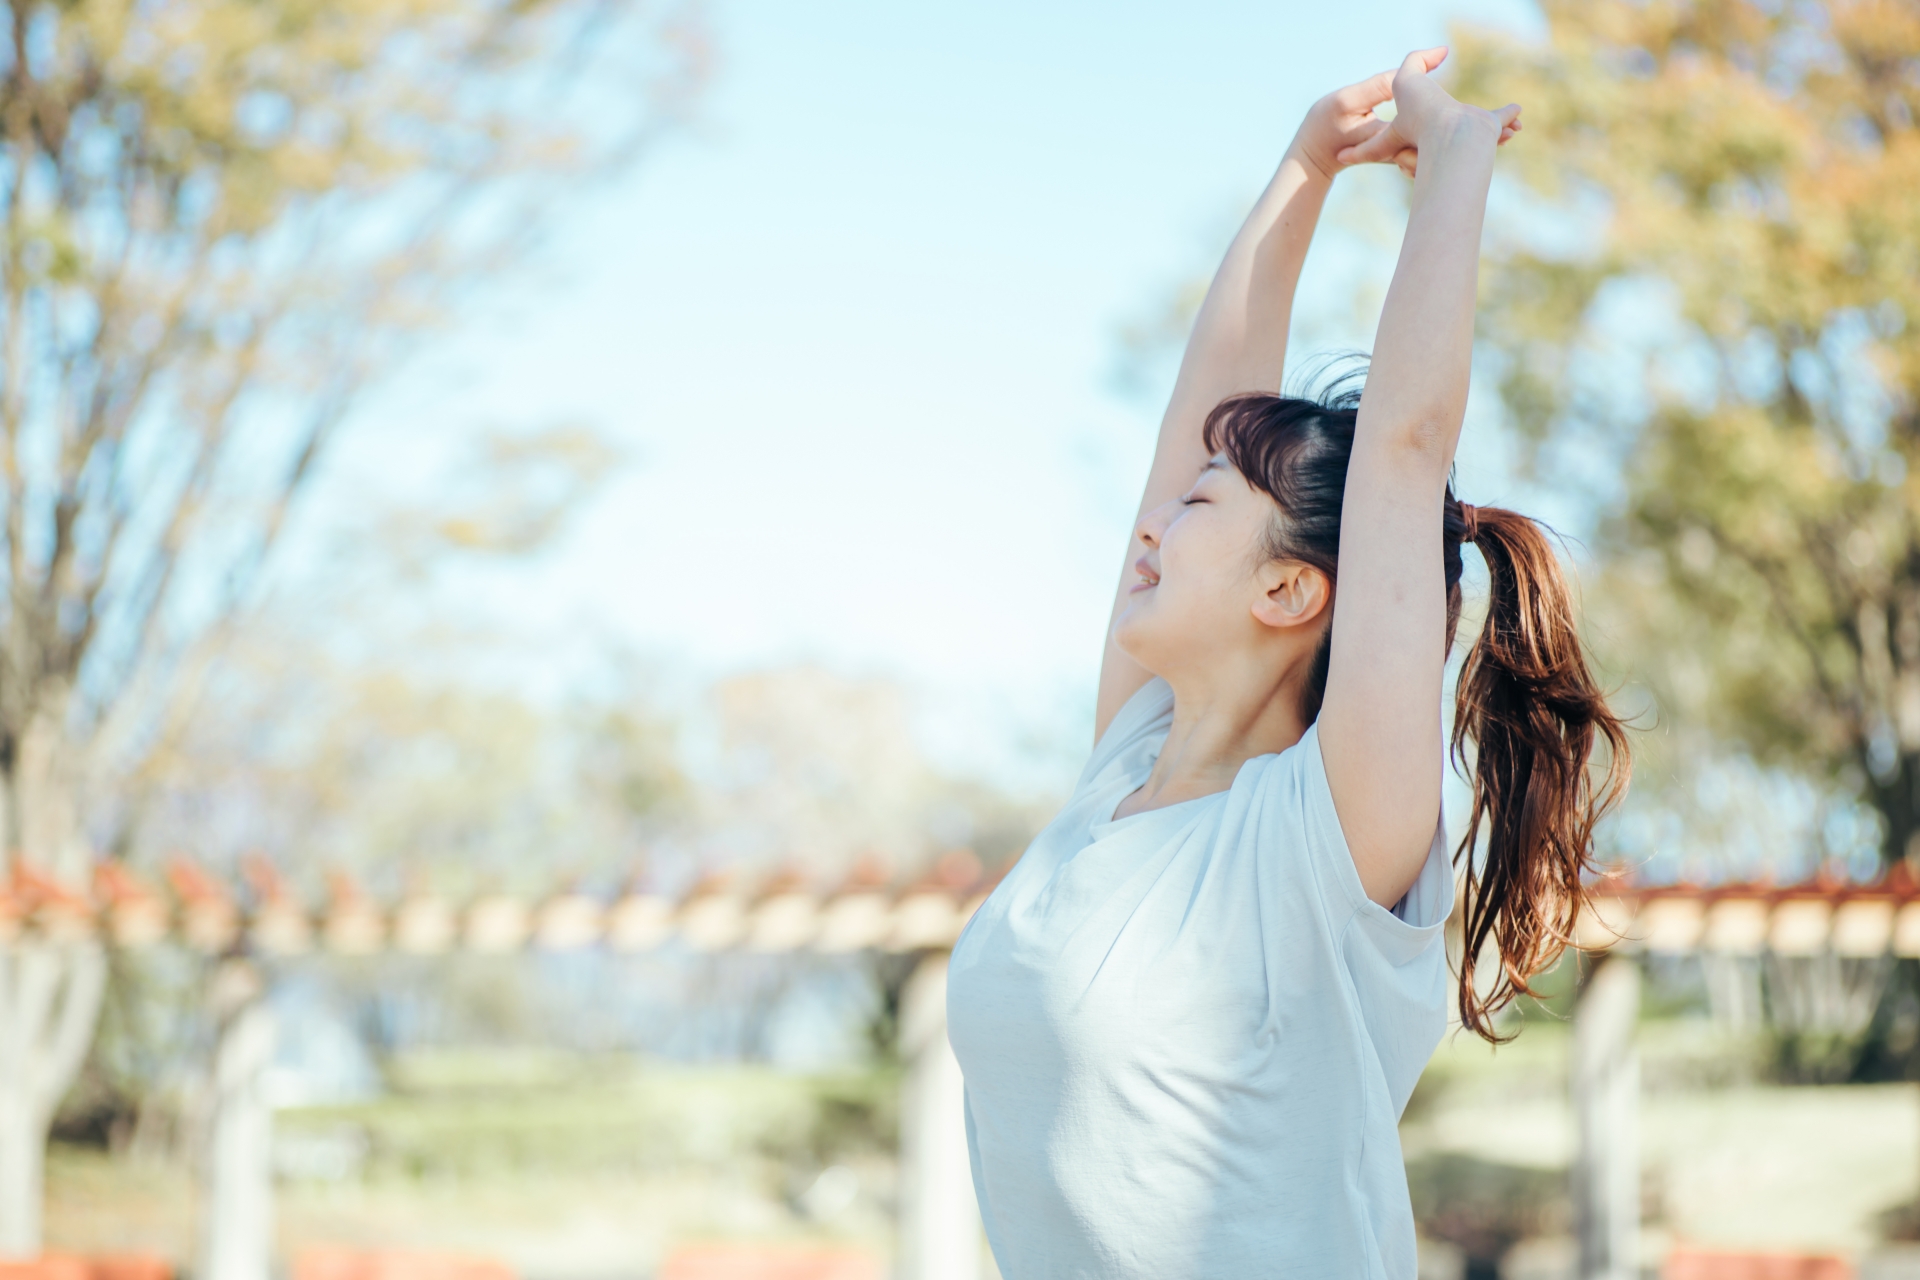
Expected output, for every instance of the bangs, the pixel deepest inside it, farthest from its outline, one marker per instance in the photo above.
(1286, 445)
(1268, 438)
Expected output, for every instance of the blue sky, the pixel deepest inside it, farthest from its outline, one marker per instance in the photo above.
(856, 330)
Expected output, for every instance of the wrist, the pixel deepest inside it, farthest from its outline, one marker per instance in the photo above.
(1316, 165)
(1461, 129)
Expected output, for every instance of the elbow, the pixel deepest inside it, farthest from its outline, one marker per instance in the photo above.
(1416, 432)
(1430, 434)
(1424, 440)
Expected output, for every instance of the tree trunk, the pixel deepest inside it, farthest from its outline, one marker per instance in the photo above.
(50, 989)
(1897, 797)
(50, 995)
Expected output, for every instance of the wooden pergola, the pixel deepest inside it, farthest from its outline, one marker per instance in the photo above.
(940, 1234)
(1815, 917)
(1732, 928)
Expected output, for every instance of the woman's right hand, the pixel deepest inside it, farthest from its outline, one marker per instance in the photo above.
(1423, 111)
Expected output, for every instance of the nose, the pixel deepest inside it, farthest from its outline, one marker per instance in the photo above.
(1153, 525)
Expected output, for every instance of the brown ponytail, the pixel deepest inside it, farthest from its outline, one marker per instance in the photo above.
(1531, 708)
(1526, 700)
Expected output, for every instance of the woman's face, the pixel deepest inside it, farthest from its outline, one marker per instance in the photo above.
(1202, 575)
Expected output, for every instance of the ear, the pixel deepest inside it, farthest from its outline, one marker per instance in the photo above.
(1292, 595)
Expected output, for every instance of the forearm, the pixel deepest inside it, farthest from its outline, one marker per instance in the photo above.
(1416, 391)
(1239, 338)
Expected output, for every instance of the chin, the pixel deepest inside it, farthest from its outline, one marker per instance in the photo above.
(1139, 638)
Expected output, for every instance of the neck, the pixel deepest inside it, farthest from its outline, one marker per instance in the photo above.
(1220, 722)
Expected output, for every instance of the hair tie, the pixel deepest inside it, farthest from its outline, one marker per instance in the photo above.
(1470, 522)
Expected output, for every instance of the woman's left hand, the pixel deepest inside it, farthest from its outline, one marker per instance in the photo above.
(1342, 120)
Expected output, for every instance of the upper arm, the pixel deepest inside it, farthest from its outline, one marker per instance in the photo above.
(1238, 343)
(1219, 364)
(1120, 678)
(1380, 730)
(1179, 458)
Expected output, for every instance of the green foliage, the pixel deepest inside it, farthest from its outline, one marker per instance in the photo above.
(219, 220)
(1484, 1206)
(470, 1114)
(511, 498)
(390, 772)
(1555, 992)
(1716, 290)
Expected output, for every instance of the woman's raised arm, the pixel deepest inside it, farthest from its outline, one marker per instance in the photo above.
(1380, 723)
(1239, 339)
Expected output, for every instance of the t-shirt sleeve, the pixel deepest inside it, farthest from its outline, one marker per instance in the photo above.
(1416, 917)
(1142, 721)
(1397, 959)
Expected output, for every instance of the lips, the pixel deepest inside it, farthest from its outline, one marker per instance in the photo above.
(1149, 576)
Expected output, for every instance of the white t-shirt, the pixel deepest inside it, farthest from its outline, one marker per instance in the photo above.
(1188, 1035)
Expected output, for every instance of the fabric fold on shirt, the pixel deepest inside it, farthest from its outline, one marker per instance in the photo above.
(1187, 1034)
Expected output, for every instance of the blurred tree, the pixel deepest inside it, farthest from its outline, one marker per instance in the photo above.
(1483, 1207)
(1702, 311)
(222, 219)
(816, 770)
(385, 769)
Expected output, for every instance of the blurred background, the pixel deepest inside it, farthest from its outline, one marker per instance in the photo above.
(555, 549)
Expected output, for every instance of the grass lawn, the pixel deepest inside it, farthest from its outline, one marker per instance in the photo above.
(1727, 1161)
(594, 1170)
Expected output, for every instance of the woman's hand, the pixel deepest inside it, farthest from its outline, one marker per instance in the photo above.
(1340, 122)
(1422, 111)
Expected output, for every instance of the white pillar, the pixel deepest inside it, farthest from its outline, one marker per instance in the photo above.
(236, 1220)
(1606, 1102)
(940, 1236)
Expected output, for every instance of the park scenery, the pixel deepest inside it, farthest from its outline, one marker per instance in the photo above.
(555, 551)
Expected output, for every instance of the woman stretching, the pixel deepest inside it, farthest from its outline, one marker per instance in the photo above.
(1191, 1015)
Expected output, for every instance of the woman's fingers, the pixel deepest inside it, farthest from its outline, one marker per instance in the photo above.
(1409, 161)
(1367, 94)
(1366, 131)
(1383, 145)
(1422, 61)
(1509, 117)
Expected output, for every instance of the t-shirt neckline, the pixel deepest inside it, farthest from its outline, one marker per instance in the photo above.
(1136, 783)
